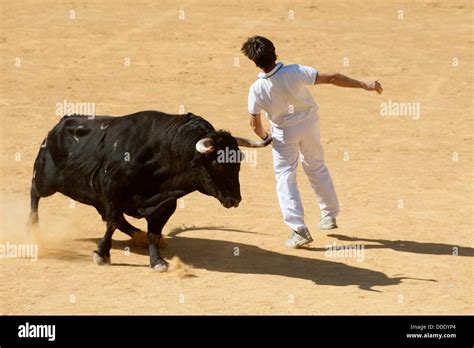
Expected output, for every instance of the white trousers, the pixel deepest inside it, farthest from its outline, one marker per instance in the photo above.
(289, 144)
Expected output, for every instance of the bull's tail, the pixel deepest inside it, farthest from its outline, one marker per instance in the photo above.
(34, 195)
(33, 219)
(43, 183)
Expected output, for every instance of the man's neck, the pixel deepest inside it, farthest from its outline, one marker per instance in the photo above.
(267, 70)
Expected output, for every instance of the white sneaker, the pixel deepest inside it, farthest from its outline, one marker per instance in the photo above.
(299, 238)
(327, 223)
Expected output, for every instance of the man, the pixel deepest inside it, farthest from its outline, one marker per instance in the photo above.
(281, 92)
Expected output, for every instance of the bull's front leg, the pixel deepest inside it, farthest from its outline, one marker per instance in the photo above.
(156, 221)
(102, 255)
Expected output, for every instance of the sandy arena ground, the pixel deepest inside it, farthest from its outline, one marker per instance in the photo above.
(405, 184)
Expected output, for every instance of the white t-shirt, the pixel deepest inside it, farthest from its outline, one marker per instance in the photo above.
(282, 94)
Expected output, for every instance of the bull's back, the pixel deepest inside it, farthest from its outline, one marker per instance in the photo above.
(80, 151)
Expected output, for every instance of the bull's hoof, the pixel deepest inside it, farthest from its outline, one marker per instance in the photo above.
(100, 260)
(161, 266)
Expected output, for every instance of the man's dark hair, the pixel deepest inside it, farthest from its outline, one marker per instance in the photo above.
(260, 50)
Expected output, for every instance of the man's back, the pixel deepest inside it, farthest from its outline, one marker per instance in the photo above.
(283, 95)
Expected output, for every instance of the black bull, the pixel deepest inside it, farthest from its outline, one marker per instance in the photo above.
(138, 165)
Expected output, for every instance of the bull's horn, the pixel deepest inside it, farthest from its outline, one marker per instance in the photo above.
(253, 143)
(205, 145)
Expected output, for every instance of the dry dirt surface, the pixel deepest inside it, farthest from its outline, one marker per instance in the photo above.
(404, 182)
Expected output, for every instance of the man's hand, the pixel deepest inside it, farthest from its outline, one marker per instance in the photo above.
(374, 86)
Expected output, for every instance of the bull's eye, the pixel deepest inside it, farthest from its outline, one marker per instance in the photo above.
(217, 165)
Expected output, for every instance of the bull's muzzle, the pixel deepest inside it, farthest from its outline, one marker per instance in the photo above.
(231, 202)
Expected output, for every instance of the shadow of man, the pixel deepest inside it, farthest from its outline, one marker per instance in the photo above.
(410, 246)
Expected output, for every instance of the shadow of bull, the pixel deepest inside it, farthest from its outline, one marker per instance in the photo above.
(218, 256)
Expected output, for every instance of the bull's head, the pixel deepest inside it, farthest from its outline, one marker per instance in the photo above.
(220, 157)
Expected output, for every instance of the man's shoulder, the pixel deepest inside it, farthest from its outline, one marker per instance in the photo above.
(256, 85)
(300, 74)
(290, 71)
(292, 68)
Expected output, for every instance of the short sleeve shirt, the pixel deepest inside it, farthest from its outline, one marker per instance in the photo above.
(283, 95)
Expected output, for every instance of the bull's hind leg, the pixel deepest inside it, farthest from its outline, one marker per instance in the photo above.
(139, 238)
(156, 221)
(123, 224)
(128, 228)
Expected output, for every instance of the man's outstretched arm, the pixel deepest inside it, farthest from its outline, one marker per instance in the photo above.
(345, 81)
